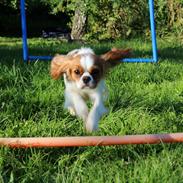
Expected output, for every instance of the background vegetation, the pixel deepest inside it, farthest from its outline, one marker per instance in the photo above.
(106, 19)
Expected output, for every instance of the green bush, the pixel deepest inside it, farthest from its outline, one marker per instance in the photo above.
(111, 19)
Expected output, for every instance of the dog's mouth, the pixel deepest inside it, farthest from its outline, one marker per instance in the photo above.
(89, 86)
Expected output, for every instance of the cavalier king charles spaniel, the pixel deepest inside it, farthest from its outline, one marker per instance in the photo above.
(83, 73)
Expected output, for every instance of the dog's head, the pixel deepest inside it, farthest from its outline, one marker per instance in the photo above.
(85, 68)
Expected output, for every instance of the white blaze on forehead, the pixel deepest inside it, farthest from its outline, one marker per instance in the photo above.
(82, 51)
(86, 74)
(86, 62)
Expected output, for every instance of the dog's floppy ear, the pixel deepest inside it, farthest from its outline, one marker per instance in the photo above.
(59, 66)
(114, 56)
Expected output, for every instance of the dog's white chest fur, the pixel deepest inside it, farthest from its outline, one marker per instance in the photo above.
(75, 102)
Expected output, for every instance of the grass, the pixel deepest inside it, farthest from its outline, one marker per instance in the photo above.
(144, 98)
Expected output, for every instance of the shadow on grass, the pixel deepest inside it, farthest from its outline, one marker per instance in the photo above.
(10, 55)
(13, 54)
(173, 54)
(170, 54)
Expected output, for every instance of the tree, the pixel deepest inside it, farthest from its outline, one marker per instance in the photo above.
(79, 21)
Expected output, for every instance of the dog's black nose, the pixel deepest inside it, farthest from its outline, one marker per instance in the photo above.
(86, 79)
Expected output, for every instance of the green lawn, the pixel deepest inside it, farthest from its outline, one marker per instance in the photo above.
(144, 98)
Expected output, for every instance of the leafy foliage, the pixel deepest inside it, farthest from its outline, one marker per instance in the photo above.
(111, 19)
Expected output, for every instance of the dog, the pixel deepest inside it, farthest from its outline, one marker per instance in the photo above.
(84, 74)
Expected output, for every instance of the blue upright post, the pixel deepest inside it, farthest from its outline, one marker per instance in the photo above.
(24, 30)
(153, 31)
(153, 39)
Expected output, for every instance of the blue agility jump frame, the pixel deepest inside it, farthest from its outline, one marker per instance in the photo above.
(27, 57)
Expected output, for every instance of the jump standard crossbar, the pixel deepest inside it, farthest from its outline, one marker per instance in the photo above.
(40, 142)
(27, 57)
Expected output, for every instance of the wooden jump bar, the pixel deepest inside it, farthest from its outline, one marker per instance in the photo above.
(90, 140)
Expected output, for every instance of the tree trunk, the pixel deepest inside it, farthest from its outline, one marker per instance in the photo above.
(79, 21)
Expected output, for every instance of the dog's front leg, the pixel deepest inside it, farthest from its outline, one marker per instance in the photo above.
(68, 104)
(80, 106)
(97, 111)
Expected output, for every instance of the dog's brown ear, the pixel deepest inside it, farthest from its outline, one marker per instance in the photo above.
(114, 56)
(59, 65)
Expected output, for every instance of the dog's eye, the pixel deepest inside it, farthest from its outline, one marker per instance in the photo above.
(95, 71)
(77, 72)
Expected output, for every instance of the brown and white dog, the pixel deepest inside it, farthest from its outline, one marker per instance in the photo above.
(84, 73)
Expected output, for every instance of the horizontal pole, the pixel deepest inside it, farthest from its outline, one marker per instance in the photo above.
(31, 58)
(145, 60)
(91, 140)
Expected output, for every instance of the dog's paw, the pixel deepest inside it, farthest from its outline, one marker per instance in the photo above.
(91, 124)
(90, 128)
(72, 111)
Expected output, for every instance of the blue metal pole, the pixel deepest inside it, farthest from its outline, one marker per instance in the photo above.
(24, 30)
(153, 30)
(31, 58)
(141, 60)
